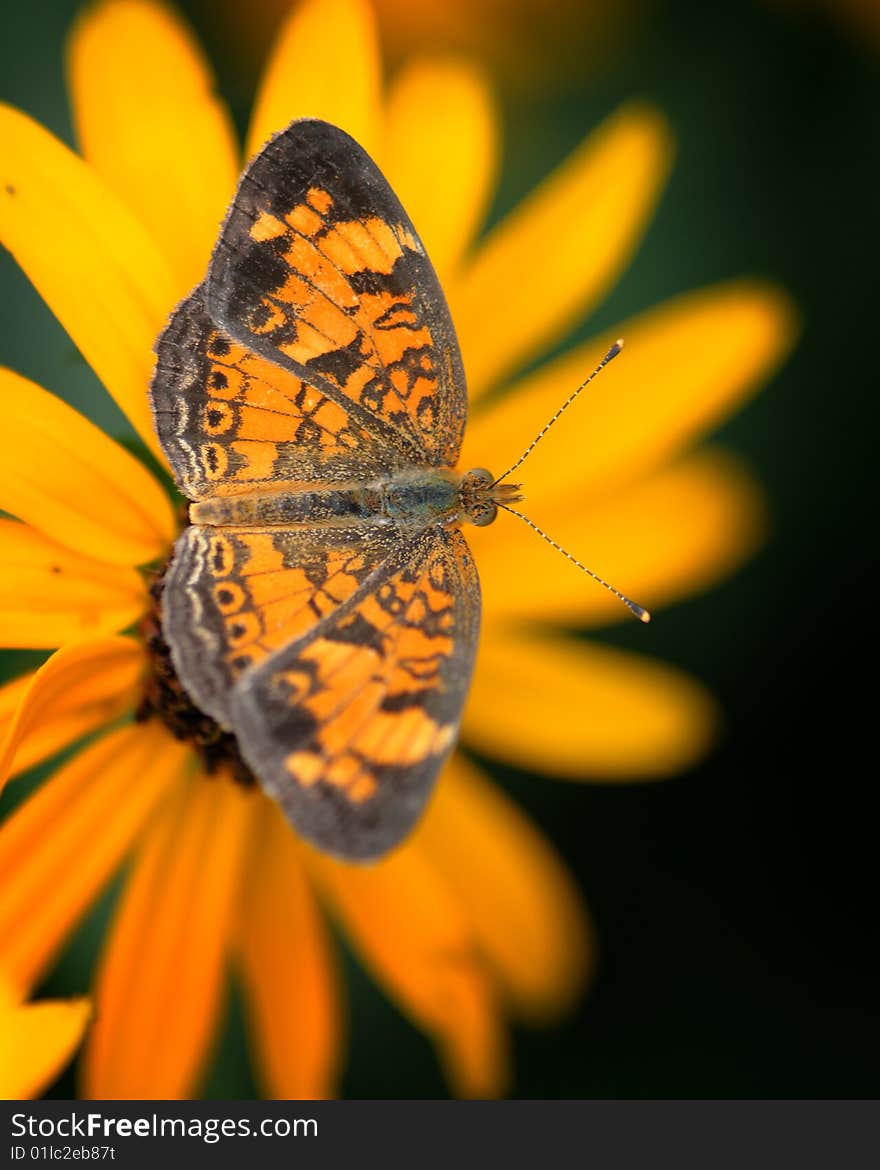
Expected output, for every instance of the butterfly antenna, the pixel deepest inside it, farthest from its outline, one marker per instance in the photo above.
(609, 356)
(641, 613)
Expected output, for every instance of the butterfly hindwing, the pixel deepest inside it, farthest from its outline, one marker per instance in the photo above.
(230, 421)
(232, 598)
(319, 269)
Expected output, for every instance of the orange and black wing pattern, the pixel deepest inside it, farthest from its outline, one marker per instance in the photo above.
(348, 727)
(230, 421)
(232, 597)
(319, 270)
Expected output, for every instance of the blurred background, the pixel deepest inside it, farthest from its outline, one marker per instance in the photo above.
(736, 905)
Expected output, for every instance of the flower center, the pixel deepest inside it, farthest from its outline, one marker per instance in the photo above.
(165, 698)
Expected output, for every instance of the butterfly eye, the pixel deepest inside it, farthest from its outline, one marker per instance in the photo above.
(482, 514)
(480, 477)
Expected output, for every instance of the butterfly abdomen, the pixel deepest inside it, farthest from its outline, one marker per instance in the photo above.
(308, 506)
(410, 499)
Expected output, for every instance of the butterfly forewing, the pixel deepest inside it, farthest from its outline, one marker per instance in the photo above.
(319, 268)
(348, 727)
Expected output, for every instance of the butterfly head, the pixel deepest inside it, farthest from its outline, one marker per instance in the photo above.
(481, 494)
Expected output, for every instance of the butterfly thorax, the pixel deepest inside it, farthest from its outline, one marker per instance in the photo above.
(410, 500)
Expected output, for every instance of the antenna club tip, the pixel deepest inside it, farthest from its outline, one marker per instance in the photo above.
(619, 343)
(643, 615)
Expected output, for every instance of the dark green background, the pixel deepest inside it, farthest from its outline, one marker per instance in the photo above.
(736, 905)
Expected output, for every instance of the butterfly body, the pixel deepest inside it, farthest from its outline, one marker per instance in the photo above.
(408, 499)
(323, 605)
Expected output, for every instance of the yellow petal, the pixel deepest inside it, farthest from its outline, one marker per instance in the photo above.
(687, 364)
(59, 848)
(557, 254)
(579, 711)
(88, 257)
(50, 595)
(671, 535)
(413, 933)
(521, 902)
(441, 153)
(38, 1041)
(325, 64)
(62, 474)
(290, 981)
(149, 122)
(79, 688)
(161, 976)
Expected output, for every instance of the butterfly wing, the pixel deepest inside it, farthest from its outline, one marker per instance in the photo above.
(348, 726)
(230, 421)
(319, 270)
(233, 597)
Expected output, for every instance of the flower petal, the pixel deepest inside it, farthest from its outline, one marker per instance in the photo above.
(49, 595)
(161, 977)
(89, 258)
(442, 110)
(59, 848)
(71, 481)
(579, 711)
(671, 535)
(521, 902)
(289, 977)
(557, 254)
(686, 366)
(325, 64)
(149, 122)
(38, 1041)
(78, 689)
(413, 932)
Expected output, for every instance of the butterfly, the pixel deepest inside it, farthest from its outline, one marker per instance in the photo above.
(323, 605)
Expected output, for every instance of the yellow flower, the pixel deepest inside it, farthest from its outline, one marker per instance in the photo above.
(38, 1040)
(473, 918)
